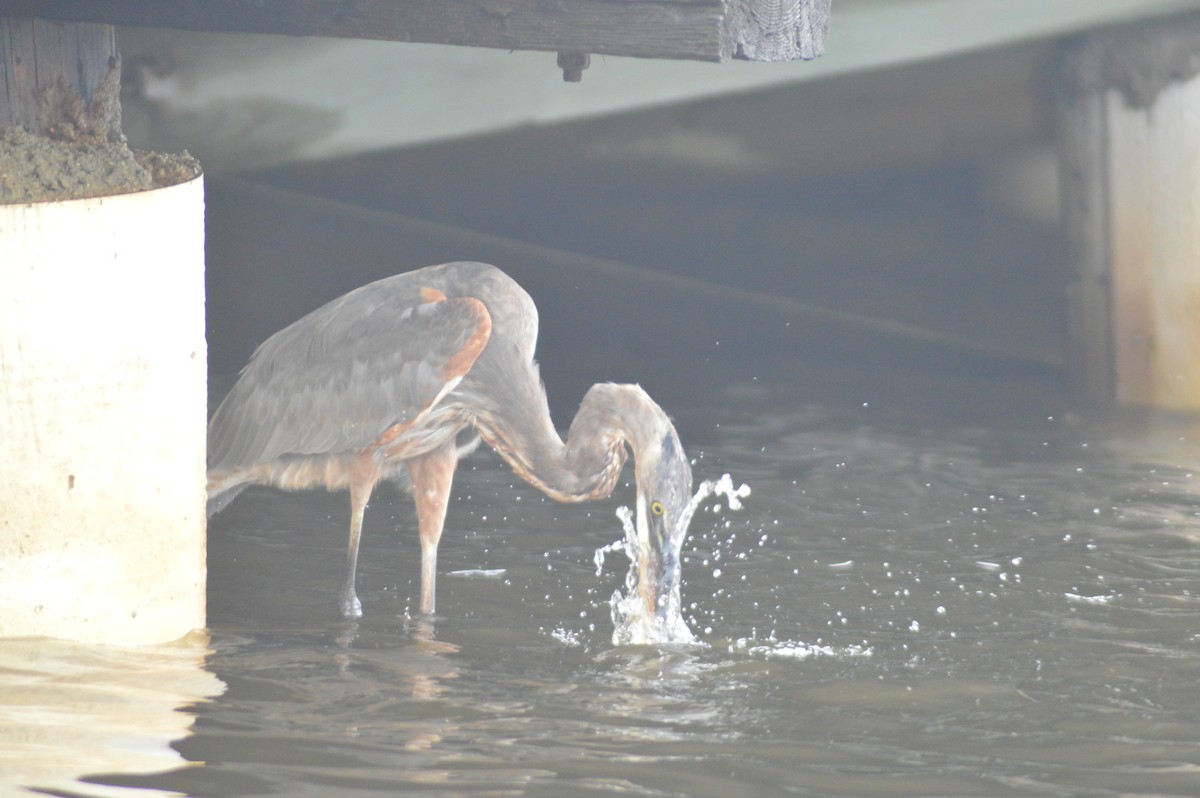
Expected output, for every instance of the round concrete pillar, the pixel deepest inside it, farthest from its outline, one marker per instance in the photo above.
(102, 417)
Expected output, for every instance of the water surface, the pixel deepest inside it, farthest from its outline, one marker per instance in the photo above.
(950, 596)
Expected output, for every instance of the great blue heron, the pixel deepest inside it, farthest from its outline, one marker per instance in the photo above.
(396, 379)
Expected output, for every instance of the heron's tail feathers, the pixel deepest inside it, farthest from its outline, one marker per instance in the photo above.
(224, 484)
(218, 501)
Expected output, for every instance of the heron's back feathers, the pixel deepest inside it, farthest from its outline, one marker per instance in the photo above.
(358, 372)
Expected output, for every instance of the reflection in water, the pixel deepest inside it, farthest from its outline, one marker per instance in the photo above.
(424, 667)
(68, 711)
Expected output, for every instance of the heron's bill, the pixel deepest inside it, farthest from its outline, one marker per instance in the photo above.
(658, 567)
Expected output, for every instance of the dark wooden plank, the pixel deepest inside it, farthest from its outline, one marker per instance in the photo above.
(707, 30)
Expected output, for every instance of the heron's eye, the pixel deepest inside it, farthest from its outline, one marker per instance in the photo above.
(656, 508)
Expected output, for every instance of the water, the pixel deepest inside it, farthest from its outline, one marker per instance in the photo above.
(923, 595)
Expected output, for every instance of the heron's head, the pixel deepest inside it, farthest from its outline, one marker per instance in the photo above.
(664, 490)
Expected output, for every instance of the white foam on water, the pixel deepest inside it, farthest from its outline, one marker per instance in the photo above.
(632, 623)
(567, 637)
(1082, 599)
(798, 649)
(486, 573)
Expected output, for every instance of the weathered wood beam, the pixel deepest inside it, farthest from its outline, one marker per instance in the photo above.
(60, 80)
(704, 30)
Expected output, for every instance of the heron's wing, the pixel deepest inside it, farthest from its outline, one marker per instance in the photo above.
(370, 362)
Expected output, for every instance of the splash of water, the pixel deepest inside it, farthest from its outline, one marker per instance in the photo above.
(632, 623)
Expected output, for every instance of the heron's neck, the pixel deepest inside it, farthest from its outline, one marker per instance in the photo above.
(588, 463)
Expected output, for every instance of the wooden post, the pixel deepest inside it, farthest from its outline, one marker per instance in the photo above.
(1129, 138)
(55, 75)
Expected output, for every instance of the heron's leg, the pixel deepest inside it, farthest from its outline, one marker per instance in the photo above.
(432, 475)
(363, 476)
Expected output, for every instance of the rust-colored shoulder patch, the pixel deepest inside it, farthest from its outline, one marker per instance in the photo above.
(461, 361)
(393, 432)
(429, 294)
(462, 323)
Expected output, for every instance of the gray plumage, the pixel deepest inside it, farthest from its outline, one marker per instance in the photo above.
(395, 379)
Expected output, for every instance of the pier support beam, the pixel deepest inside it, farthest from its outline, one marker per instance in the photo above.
(102, 369)
(1129, 138)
